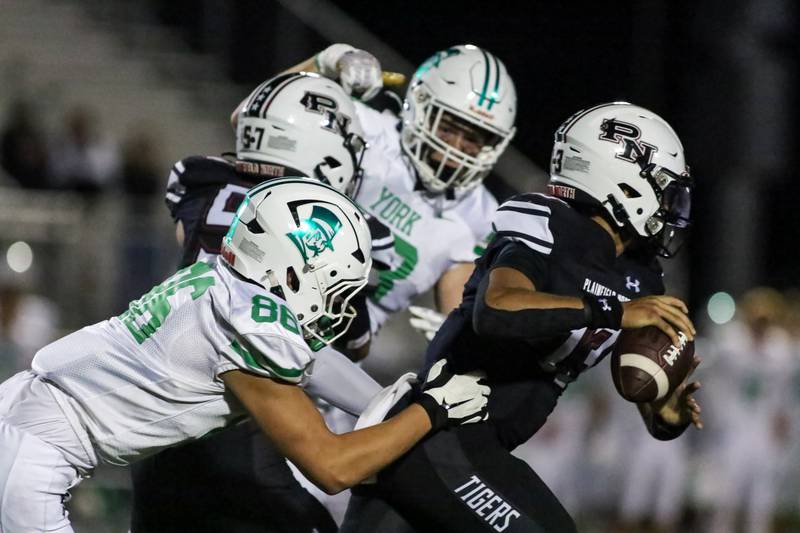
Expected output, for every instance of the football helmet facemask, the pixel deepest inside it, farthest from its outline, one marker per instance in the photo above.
(629, 161)
(308, 243)
(306, 123)
(458, 118)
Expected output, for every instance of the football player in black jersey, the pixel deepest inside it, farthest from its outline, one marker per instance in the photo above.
(562, 275)
(293, 125)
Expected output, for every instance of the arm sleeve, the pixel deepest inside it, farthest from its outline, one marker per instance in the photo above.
(340, 382)
(525, 323)
(380, 129)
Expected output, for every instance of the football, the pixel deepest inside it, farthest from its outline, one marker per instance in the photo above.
(645, 366)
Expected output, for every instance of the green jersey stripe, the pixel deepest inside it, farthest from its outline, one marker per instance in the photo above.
(265, 363)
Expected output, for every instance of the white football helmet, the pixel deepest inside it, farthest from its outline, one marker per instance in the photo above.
(470, 86)
(306, 123)
(630, 161)
(307, 242)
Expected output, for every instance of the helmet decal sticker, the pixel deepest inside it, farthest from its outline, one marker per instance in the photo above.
(335, 121)
(626, 134)
(263, 95)
(435, 60)
(316, 233)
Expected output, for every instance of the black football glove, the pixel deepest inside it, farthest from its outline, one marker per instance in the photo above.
(454, 399)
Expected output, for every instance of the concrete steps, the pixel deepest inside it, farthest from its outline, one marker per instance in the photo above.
(113, 57)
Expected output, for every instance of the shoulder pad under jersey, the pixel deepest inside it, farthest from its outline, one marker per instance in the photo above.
(530, 218)
(267, 337)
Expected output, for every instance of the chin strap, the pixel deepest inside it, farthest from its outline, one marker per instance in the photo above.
(620, 213)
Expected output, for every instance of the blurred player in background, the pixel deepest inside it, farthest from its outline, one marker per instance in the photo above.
(752, 389)
(208, 346)
(292, 125)
(28, 321)
(561, 276)
(654, 479)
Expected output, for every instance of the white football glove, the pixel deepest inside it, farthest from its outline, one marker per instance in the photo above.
(426, 321)
(454, 399)
(358, 71)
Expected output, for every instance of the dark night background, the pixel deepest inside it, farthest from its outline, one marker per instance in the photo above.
(724, 74)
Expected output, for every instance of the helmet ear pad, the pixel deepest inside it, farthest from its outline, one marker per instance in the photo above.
(306, 123)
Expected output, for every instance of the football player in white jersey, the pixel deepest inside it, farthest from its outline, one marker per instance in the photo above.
(753, 385)
(293, 124)
(424, 170)
(208, 346)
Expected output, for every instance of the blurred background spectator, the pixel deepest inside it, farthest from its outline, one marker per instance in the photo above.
(750, 389)
(142, 173)
(83, 160)
(23, 148)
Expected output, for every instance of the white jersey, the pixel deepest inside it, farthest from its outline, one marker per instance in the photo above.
(150, 378)
(431, 233)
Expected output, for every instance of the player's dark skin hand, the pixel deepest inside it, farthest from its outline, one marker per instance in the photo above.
(681, 406)
(667, 313)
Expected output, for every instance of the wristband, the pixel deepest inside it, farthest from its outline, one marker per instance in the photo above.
(436, 412)
(661, 430)
(602, 311)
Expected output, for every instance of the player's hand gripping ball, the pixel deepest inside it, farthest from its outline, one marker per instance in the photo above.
(646, 367)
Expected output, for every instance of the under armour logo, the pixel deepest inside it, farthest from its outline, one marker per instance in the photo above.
(604, 301)
(632, 284)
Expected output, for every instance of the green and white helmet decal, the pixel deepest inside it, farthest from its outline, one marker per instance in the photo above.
(435, 60)
(310, 243)
(316, 233)
(467, 89)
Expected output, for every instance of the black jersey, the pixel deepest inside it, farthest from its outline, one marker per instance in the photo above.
(203, 193)
(562, 252)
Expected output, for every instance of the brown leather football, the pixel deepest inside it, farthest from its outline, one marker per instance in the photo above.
(645, 366)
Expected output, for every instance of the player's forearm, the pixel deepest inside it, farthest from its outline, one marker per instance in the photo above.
(346, 460)
(519, 313)
(450, 287)
(508, 305)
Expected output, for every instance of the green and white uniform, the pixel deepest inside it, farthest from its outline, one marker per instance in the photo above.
(150, 378)
(431, 233)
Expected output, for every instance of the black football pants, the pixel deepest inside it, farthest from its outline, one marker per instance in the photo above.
(460, 480)
(232, 482)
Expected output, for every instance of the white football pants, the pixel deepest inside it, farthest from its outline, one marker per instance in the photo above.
(35, 479)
